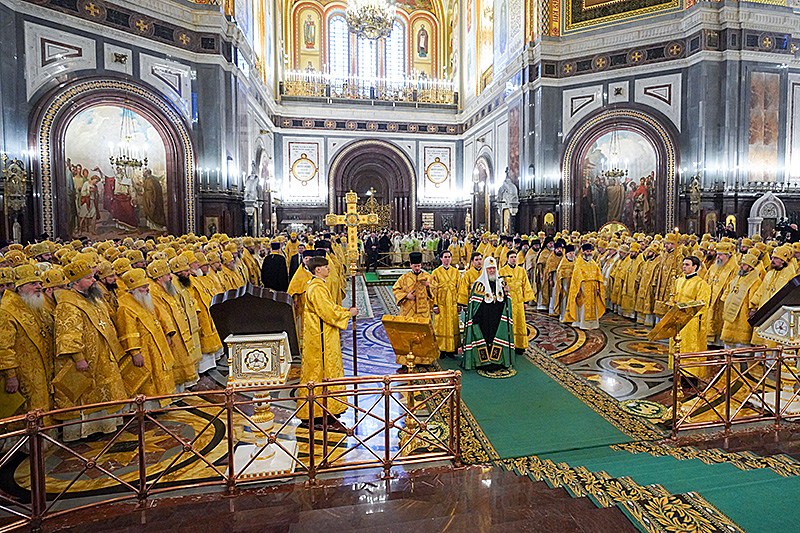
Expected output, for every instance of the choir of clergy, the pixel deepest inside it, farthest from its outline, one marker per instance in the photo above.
(91, 322)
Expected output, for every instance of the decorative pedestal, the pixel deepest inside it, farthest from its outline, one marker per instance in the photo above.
(259, 361)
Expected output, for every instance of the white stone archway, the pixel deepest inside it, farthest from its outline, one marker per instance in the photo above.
(769, 208)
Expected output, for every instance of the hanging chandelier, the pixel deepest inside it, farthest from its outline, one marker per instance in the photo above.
(128, 156)
(614, 171)
(371, 19)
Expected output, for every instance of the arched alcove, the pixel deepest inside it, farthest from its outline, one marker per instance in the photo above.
(48, 129)
(379, 165)
(635, 125)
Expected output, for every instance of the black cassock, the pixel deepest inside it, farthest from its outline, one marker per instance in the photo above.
(487, 317)
(294, 263)
(274, 274)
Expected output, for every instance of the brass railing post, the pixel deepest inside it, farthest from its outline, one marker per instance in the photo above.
(387, 460)
(140, 412)
(312, 469)
(778, 384)
(676, 382)
(38, 488)
(229, 405)
(727, 391)
(457, 422)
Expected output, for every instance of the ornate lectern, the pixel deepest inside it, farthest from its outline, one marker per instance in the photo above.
(260, 361)
(778, 321)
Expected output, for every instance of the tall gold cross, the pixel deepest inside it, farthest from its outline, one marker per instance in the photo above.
(352, 220)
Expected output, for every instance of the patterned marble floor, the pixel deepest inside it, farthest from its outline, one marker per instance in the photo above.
(618, 358)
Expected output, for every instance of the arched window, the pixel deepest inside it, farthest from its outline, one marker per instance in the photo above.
(396, 52)
(367, 58)
(338, 47)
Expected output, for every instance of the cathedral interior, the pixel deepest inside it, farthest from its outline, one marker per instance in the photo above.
(256, 117)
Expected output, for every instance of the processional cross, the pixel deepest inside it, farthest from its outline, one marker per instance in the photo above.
(352, 220)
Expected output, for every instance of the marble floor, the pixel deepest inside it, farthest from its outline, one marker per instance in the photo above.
(474, 499)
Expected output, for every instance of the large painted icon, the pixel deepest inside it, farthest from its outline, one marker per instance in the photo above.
(618, 183)
(115, 175)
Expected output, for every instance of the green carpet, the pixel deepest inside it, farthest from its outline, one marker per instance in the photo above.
(757, 500)
(531, 414)
(547, 412)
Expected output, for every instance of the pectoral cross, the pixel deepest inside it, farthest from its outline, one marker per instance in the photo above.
(352, 220)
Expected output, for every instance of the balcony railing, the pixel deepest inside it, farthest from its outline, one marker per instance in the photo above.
(739, 387)
(403, 419)
(319, 85)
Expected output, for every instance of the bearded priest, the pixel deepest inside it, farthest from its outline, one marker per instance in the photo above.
(489, 330)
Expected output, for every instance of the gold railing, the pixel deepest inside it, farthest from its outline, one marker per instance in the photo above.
(318, 85)
(739, 386)
(399, 414)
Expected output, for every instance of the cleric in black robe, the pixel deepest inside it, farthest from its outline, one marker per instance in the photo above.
(274, 274)
(294, 261)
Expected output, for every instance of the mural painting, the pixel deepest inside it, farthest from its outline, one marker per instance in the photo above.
(106, 201)
(765, 91)
(618, 183)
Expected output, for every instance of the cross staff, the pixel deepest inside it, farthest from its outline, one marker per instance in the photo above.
(352, 220)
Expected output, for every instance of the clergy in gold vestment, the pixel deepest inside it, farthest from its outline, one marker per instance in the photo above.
(586, 299)
(297, 290)
(670, 265)
(86, 338)
(521, 293)
(322, 352)
(229, 273)
(689, 288)
(719, 277)
(549, 275)
(563, 277)
(647, 282)
(143, 331)
(415, 291)
(778, 276)
(628, 295)
(470, 276)
(205, 287)
(170, 310)
(446, 278)
(736, 330)
(542, 284)
(618, 276)
(26, 341)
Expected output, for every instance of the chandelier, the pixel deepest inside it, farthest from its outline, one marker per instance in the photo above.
(128, 156)
(371, 19)
(614, 171)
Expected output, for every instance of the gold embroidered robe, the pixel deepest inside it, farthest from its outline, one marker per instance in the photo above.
(586, 301)
(521, 293)
(773, 282)
(422, 304)
(445, 324)
(85, 331)
(143, 332)
(719, 279)
(469, 278)
(322, 353)
(693, 334)
(26, 350)
(183, 348)
(736, 308)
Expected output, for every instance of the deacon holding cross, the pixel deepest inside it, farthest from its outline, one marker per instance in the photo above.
(322, 349)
